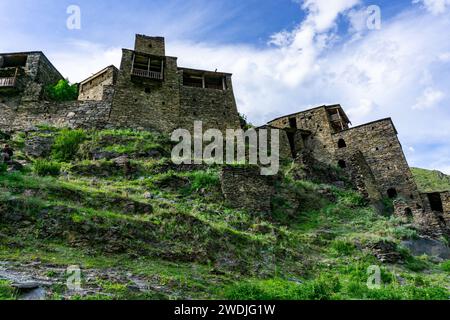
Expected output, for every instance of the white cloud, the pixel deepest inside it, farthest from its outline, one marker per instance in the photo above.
(365, 108)
(430, 98)
(435, 6)
(444, 57)
(81, 59)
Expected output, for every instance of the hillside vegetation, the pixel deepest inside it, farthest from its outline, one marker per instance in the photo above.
(147, 229)
(431, 180)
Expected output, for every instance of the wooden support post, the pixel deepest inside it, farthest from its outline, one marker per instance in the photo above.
(132, 63)
(203, 82)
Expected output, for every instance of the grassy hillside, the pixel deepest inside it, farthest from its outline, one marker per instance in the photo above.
(431, 180)
(150, 222)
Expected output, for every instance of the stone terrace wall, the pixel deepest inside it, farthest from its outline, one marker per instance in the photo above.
(245, 188)
(73, 114)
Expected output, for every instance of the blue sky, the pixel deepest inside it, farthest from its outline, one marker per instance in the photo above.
(286, 55)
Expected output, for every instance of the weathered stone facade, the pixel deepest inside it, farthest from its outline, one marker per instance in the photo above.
(371, 153)
(153, 93)
(149, 92)
(26, 73)
(72, 114)
(93, 87)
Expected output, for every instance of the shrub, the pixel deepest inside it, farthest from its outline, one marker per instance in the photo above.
(66, 144)
(46, 168)
(3, 168)
(203, 179)
(62, 91)
(446, 266)
(342, 248)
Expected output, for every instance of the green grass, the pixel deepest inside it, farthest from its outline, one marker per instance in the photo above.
(6, 291)
(43, 167)
(191, 245)
(446, 266)
(66, 144)
(431, 181)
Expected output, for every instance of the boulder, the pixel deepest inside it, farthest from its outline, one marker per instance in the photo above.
(38, 146)
(429, 247)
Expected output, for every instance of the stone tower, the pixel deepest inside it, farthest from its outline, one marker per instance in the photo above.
(153, 93)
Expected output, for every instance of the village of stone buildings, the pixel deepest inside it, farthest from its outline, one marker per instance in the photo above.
(151, 92)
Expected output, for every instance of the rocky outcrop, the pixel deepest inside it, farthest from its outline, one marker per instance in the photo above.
(39, 146)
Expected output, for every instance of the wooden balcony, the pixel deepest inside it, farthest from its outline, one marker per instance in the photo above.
(147, 74)
(8, 82)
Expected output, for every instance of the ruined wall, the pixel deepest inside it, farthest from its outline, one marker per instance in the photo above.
(445, 197)
(245, 188)
(215, 108)
(379, 144)
(146, 104)
(362, 176)
(285, 148)
(316, 121)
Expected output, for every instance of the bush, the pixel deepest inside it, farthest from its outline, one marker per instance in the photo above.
(62, 91)
(3, 167)
(203, 179)
(46, 168)
(342, 248)
(66, 144)
(446, 266)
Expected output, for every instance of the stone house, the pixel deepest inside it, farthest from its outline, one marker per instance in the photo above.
(26, 74)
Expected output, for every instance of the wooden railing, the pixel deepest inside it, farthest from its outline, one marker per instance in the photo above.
(8, 82)
(147, 74)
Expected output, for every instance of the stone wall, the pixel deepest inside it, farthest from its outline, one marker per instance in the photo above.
(379, 144)
(93, 88)
(362, 176)
(151, 45)
(316, 121)
(215, 108)
(245, 188)
(72, 114)
(146, 104)
(445, 198)
(285, 148)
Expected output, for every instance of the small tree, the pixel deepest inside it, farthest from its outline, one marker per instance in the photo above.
(62, 91)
